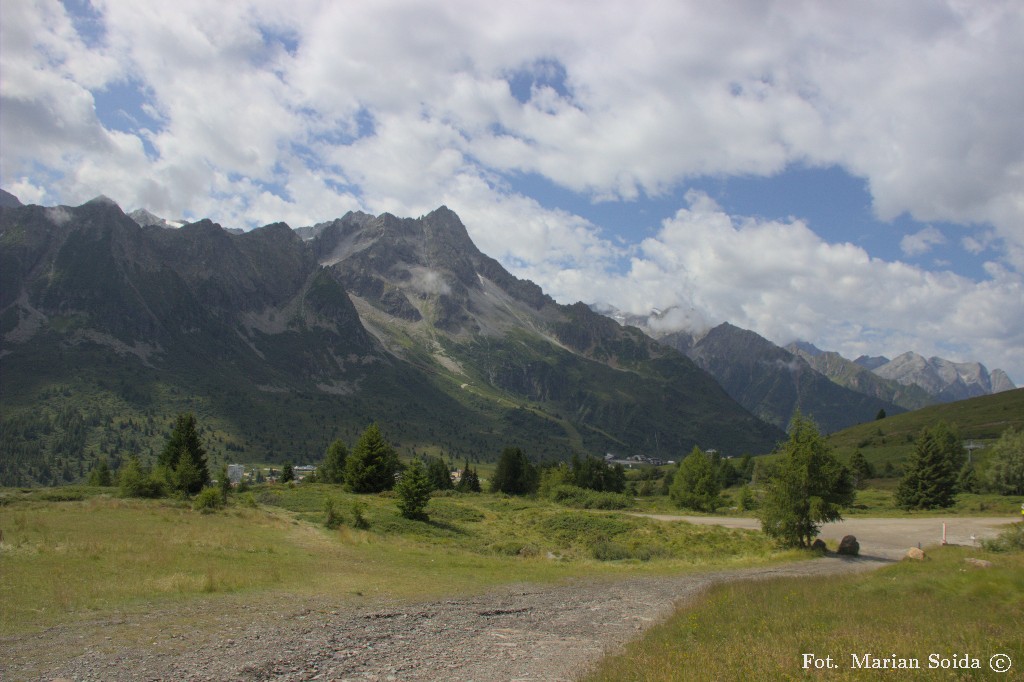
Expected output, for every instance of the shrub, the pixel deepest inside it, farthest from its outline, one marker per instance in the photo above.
(572, 496)
(696, 484)
(358, 520)
(332, 518)
(1009, 540)
(133, 481)
(208, 501)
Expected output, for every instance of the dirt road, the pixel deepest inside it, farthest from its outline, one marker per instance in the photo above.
(884, 538)
(520, 632)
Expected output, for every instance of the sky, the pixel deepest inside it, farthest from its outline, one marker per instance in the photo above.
(848, 174)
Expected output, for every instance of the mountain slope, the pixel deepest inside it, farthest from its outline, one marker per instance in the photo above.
(281, 345)
(859, 378)
(772, 382)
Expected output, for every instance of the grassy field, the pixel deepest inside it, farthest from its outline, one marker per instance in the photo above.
(81, 553)
(911, 610)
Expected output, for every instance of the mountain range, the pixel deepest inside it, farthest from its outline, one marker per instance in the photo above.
(280, 345)
(283, 339)
(774, 382)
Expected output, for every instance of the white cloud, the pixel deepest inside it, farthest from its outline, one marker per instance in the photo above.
(784, 282)
(921, 241)
(257, 110)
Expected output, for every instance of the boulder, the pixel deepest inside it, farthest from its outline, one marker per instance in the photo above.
(915, 553)
(849, 546)
(819, 545)
(978, 563)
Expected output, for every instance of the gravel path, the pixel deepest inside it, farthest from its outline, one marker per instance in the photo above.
(885, 538)
(520, 632)
(523, 632)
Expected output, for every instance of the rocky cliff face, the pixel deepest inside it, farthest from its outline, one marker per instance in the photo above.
(858, 378)
(947, 381)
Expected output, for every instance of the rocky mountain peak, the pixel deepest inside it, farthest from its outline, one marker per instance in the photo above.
(8, 200)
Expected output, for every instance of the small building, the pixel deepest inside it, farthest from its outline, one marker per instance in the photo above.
(235, 473)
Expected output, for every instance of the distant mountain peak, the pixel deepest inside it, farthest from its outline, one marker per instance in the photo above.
(805, 347)
(8, 200)
(871, 362)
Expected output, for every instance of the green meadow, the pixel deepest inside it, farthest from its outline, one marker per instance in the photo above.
(81, 553)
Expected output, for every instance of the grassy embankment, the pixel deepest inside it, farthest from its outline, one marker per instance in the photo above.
(891, 440)
(742, 631)
(80, 553)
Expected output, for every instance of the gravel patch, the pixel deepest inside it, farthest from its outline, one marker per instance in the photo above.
(520, 632)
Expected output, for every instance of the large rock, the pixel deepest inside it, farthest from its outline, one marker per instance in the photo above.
(849, 546)
(915, 553)
(819, 546)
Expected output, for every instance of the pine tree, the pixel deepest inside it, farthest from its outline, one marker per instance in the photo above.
(469, 481)
(184, 444)
(372, 464)
(861, 469)
(806, 490)
(100, 474)
(439, 474)
(333, 468)
(188, 477)
(413, 489)
(287, 473)
(696, 484)
(223, 482)
(930, 480)
(514, 474)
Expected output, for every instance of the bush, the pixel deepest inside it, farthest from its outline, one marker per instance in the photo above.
(332, 518)
(572, 496)
(208, 501)
(358, 520)
(133, 481)
(1009, 540)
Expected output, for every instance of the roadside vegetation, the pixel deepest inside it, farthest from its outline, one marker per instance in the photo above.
(753, 630)
(79, 552)
(744, 631)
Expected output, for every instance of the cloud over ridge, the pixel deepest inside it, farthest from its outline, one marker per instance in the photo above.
(253, 111)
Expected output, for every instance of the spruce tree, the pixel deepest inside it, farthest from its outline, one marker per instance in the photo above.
(931, 479)
(439, 474)
(224, 482)
(413, 489)
(287, 473)
(184, 444)
(333, 468)
(100, 474)
(514, 474)
(469, 481)
(861, 469)
(372, 464)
